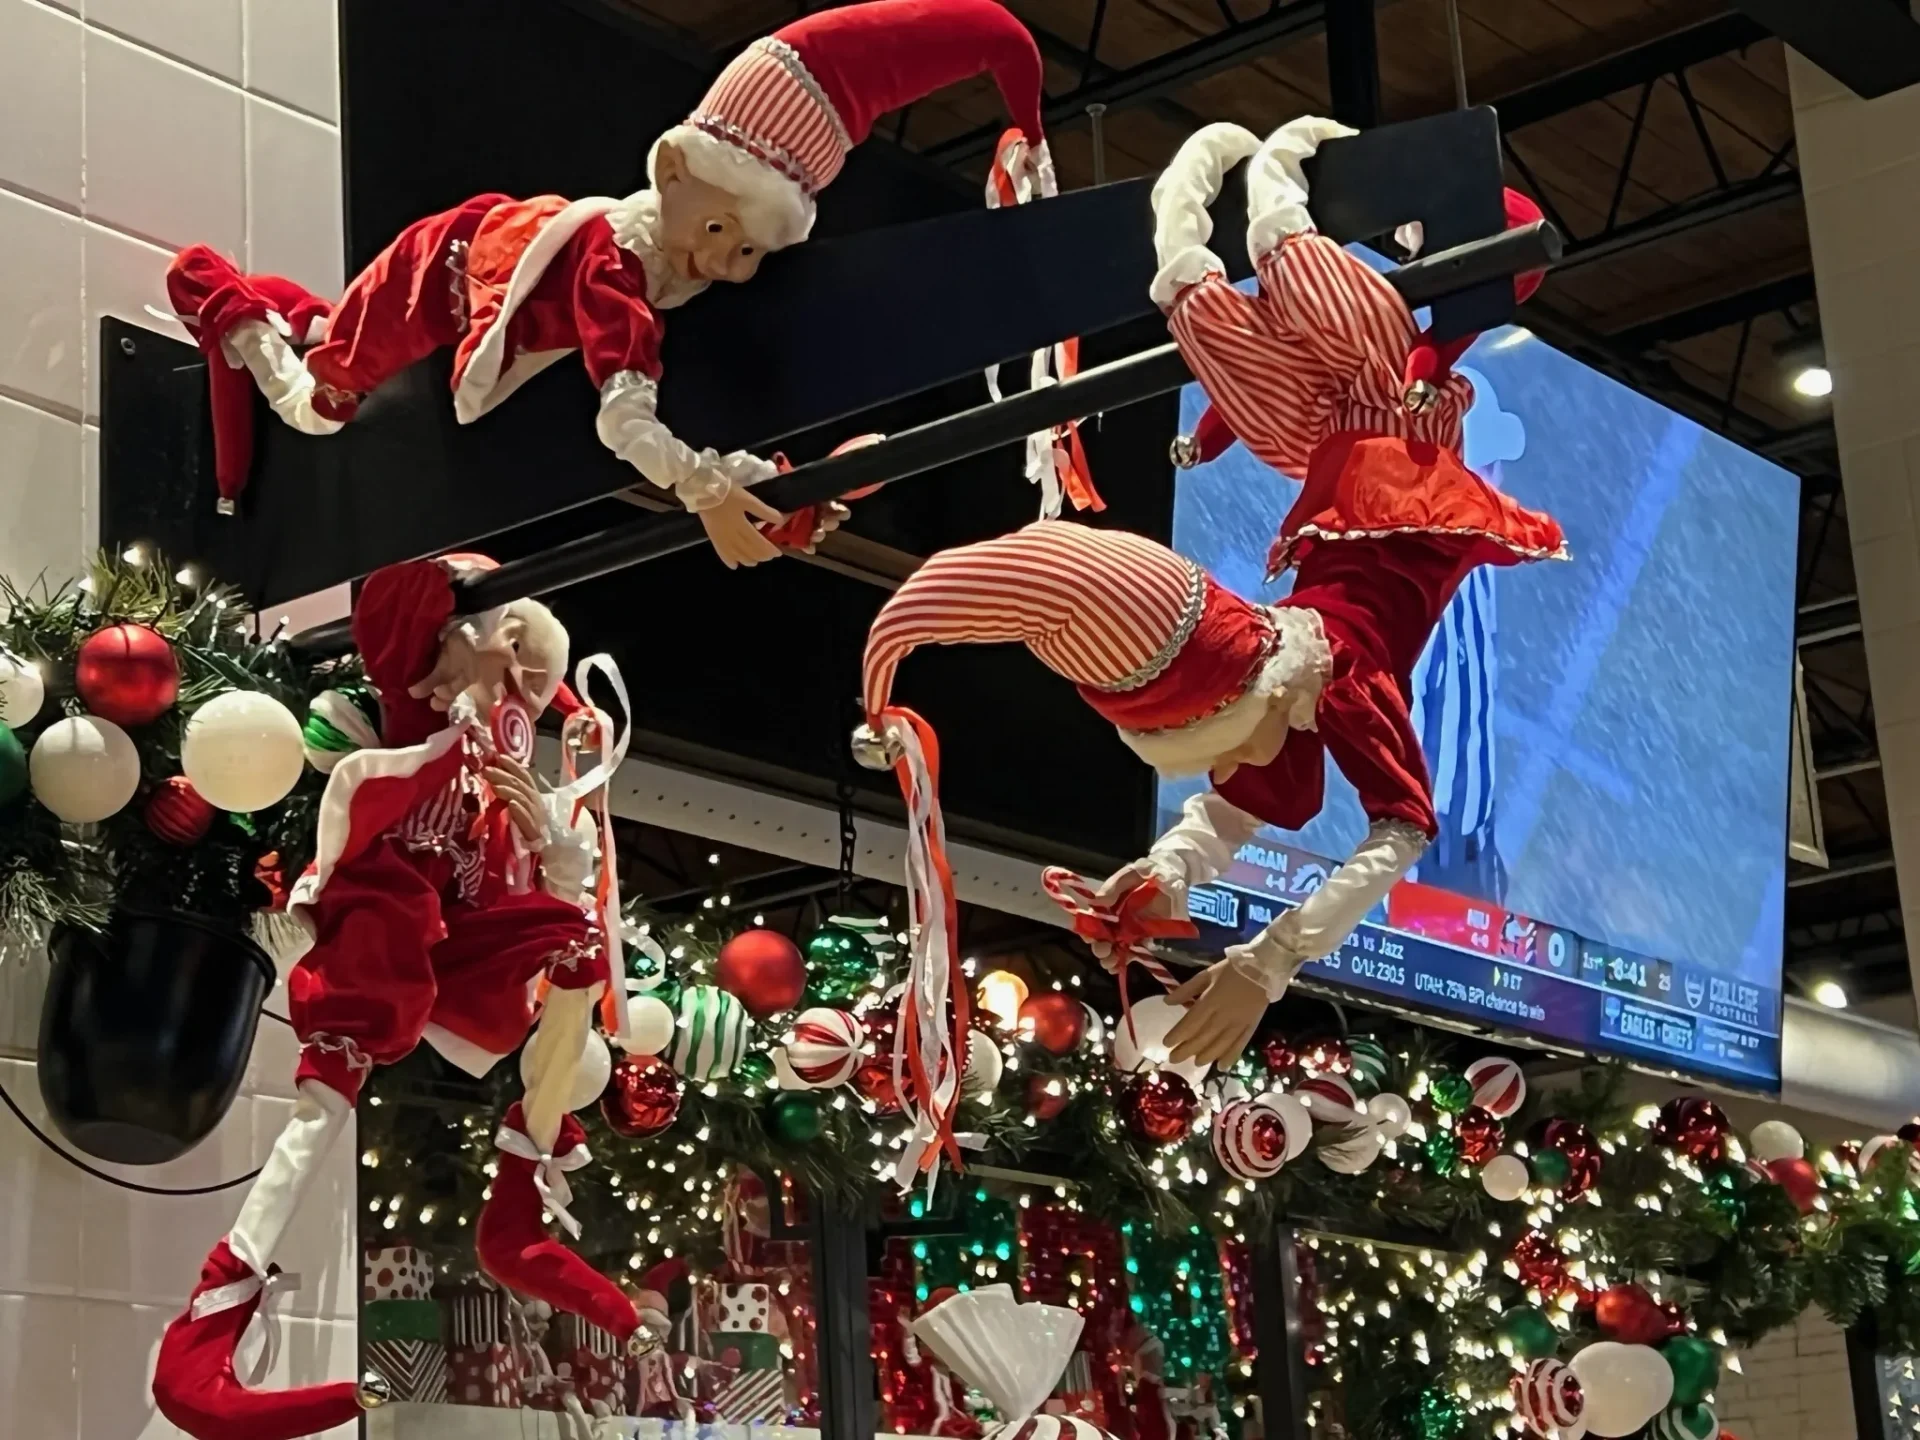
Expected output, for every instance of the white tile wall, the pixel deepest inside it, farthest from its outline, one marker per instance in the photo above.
(1793, 1386)
(127, 129)
(40, 100)
(1860, 169)
(293, 54)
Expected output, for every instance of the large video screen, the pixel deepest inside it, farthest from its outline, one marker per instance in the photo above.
(1607, 737)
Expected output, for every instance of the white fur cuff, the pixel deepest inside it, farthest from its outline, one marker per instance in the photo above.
(1186, 268)
(1277, 181)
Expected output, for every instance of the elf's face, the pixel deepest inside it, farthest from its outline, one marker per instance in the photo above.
(1260, 748)
(701, 232)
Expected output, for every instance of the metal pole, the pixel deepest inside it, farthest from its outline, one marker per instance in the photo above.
(1458, 54)
(939, 442)
(1280, 1372)
(1096, 112)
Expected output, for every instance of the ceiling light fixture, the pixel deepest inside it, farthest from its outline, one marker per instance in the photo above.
(1831, 994)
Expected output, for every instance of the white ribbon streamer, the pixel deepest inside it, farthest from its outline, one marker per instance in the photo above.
(924, 997)
(231, 1297)
(613, 754)
(549, 1173)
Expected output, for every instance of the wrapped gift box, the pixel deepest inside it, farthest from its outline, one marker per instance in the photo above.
(416, 1369)
(752, 1395)
(400, 1320)
(745, 1349)
(596, 1379)
(397, 1272)
(745, 1308)
(484, 1375)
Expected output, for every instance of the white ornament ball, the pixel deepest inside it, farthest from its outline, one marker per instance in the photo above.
(1505, 1177)
(22, 691)
(1776, 1140)
(1142, 1044)
(242, 751)
(1353, 1154)
(649, 1026)
(590, 1074)
(84, 769)
(1390, 1114)
(985, 1065)
(1298, 1120)
(1624, 1386)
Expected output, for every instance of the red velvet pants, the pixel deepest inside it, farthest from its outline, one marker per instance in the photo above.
(394, 952)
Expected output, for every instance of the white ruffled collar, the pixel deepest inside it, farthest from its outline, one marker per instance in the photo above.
(635, 221)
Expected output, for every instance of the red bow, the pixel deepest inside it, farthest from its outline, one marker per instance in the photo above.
(1125, 930)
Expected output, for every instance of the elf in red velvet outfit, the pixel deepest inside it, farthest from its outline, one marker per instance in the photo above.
(446, 888)
(515, 285)
(1324, 375)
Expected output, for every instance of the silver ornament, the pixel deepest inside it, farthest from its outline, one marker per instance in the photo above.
(374, 1390)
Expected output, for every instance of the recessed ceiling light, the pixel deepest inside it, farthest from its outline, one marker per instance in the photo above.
(1815, 382)
(1830, 994)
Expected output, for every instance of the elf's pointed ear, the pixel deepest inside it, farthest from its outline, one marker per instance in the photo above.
(669, 165)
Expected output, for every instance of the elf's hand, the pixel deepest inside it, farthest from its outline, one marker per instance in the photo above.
(1223, 1005)
(464, 666)
(513, 783)
(731, 527)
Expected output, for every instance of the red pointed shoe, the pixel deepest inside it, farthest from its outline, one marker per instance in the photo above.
(512, 1240)
(194, 1383)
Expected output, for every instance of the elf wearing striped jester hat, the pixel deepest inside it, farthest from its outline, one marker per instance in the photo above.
(455, 899)
(513, 285)
(1197, 681)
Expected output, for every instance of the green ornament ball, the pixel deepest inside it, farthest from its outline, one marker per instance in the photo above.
(1550, 1168)
(754, 1070)
(1528, 1333)
(796, 1119)
(1696, 1368)
(1442, 1152)
(1369, 1070)
(840, 964)
(13, 767)
(1438, 1415)
(1723, 1194)
(1451, 1093)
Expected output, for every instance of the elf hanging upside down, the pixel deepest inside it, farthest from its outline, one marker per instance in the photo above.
(1324, 375)
(515, 285)
(448, 889)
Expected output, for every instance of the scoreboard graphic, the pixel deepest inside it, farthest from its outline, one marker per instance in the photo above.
(1434, 950)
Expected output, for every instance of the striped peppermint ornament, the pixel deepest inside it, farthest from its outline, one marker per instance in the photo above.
(709, 1033)
(1685, 1422)
(1329, 1099)
(1498, 1086)
(823, 1047)
(1547, 1396)
(1369, 1058)
(1250, 1138)
(1048, 1427)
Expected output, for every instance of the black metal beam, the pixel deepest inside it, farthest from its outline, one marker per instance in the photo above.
(1137, 85)
(939, 442)
(1665, 56)
(1705, 318)
(1709, 209)
(1353, 62)
(1870, 46)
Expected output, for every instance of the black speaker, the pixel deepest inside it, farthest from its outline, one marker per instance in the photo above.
(146, 1031)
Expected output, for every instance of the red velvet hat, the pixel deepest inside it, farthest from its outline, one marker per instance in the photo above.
(775, 128)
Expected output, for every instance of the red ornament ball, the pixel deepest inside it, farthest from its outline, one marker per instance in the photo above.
(1278, 1056)
(1159, 1107)
(1054, 1021)
(642, 1098)
(1540, 1262)
(176, 813)
(874, 1081)
(127, 674)
(764, 969)
(1630, 1315)
(1480, 1135)
(1327, 1057)
(1799, 1179)
(1575, 1141)
(1047, 1096)
(1695, 1127)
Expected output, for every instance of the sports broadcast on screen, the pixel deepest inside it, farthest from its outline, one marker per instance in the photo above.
(1607, 740)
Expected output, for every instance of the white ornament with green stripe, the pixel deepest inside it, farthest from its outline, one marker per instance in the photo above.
(1684, 1422)
(709, 1035)
(340, 722)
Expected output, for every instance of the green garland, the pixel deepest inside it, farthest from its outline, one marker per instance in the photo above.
(1417, 1288)
(52, 873)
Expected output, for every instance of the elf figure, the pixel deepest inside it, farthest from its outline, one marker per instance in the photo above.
(447, 891)
(513, 285)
